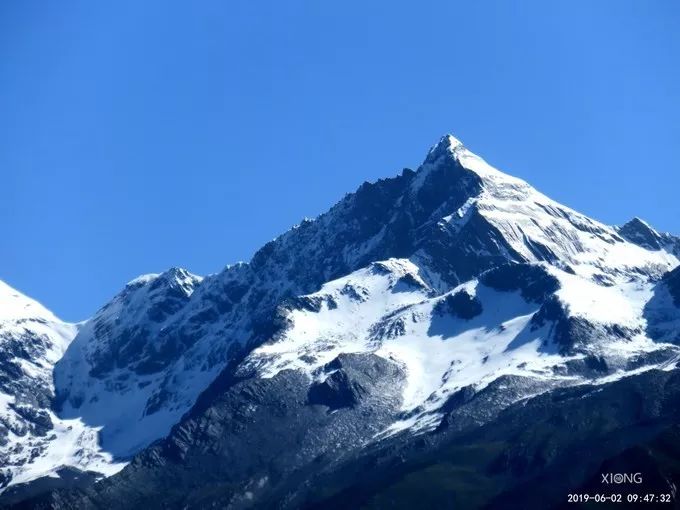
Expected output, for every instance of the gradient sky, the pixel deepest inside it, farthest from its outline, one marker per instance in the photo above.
(135, 136)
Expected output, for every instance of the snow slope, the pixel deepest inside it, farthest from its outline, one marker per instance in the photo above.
(372, 310)
(36, 442)
(537, 228)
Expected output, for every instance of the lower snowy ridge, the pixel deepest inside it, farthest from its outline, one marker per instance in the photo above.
(35, 442)
(517, 323)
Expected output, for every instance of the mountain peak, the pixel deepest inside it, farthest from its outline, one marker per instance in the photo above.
(171, 277)
(178, 275)
(451, 148)
(641, 233)
(446, 144)
(638, 222)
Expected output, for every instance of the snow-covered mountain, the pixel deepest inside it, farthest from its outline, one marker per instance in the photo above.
(536, 322)
(112, 374)
(34, 441)
(428, 301)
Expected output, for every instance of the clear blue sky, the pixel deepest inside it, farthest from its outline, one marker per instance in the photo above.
(135, 136)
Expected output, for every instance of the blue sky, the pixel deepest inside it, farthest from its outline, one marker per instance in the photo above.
(135, 136)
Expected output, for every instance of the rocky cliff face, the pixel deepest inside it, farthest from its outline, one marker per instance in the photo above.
(416, 309)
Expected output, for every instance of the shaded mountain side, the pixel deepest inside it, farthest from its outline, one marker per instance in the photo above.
(672, 281)
(531, 457)
(63, 478)
(641, 233)
(275, 431)
(658, 463)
